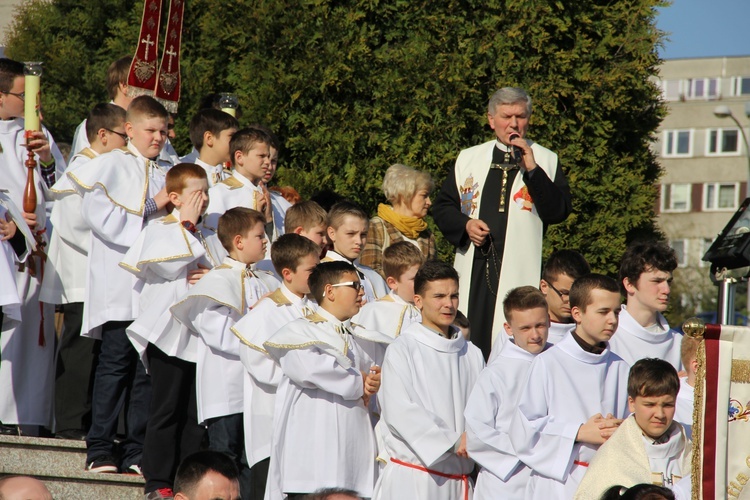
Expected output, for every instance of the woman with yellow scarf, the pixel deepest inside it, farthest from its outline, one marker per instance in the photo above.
(408, 191)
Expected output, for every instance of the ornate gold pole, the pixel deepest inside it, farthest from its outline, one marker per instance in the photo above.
(32, 101)
(695, 328)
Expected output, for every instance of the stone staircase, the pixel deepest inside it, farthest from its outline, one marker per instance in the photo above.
(60, 463)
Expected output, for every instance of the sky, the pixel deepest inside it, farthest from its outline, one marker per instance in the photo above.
(705, 28)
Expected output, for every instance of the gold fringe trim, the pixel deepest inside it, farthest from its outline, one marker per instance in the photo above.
(740, 371)
(696, 464)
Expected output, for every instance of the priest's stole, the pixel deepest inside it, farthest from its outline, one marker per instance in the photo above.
(721, 417)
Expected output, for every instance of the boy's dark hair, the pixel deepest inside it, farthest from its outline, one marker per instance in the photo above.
(326, 198)
(567, 262)
(9, 71)
(327, 273)
(580, 292)
(342, 209)
(523, 298)
(305, 214)
(652, 377)
(178, 175)
(400, 257)
(237, 220)
(289, 249)
(461, 320)
(638, 492)
(433, 270)
(192, 469)
(245, 139)
(103, 116)
(645, 256)
(145, 106)
(209, 120)
(275, 142)
(117, 73)
(327, 493)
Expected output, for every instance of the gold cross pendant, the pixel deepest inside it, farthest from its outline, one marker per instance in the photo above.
(505, 167)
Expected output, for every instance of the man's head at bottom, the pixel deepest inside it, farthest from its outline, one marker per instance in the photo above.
(207, 475)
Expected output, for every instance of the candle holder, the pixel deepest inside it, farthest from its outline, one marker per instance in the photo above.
(229, 103)
(32, 102)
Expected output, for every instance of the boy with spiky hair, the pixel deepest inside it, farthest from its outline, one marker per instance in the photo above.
(560, 272)
(347, 232)
(294, 258)
(322, 429)
(649, 446)
(643, 332)
(493, 401)
(428, 374)
(574, 396)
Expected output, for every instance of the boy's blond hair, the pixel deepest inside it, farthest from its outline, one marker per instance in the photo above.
(343, 208)
(145, 107)
(237, 221)
(305, 214)
(399, 257)
(688, 350)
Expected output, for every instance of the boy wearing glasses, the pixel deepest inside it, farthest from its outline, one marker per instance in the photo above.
(322, 434)
(645, 278)
(560, 271)
(27, 347)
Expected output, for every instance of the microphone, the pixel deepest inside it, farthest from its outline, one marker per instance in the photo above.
(517, 152)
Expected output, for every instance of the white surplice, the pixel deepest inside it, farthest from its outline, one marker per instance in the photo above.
(684, 407)
(214, 173)
(67, 259)
(632, 342)
(160, 259)
(279, 206)
(235, 191)
(390, 315)
(375, 286)
(262, 372)
(27, 347)
(629, 458)
(426, 381)
(488, 414)
(210, 309)
(565, 387)
(322, 434)
(558, 331)
(114, 187)
(10, 300)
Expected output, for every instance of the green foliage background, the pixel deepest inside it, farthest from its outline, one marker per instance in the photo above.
(353, 86)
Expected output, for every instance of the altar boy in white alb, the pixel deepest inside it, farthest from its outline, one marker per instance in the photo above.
(168, 256)
(322, 434)
(211, 132)
(428, 374)
(27, 347)
(560, 271)
(394, 313)
(347, 232)
(210, 309)
(575, 394)
(493, 401)
(294, 258)
(646, 277)
(122, 190)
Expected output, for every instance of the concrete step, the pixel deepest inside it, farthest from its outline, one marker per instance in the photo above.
(60, 464)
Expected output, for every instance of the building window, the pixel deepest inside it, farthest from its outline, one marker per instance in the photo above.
(705, 245)
(721, 195)
(672, 90)
(675, 197)
(677, 143)
(721, 141)
(740, 85)
(680, 248)
(702, 88)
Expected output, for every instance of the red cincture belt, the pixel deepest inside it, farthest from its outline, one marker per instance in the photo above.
(582, 464)
(457, 477)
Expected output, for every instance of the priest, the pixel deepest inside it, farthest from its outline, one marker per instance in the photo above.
(494, 208)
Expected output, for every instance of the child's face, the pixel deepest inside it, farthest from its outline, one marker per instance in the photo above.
(220, 144)
(272, 167)
(251, 247)
(11, 104)
(350, 237)
(346, 300)
(404, 285)
(147, 135)
(316, 234)
(112, 139)
(255, 163)
(557, 293)
(651, 291)
(297, 280)
(529, 329)
(194, 188)
(438, 304)
(599, 321)
(653, 414)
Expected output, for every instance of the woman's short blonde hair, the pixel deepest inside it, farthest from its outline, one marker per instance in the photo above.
(401, 183)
